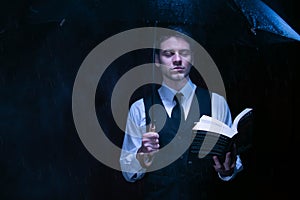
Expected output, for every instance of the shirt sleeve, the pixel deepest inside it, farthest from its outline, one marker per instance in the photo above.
(221, 111)
(135, 127)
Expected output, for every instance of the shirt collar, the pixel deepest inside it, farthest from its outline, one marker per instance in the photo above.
(168, 93)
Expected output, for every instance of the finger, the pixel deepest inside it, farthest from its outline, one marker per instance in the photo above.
(227, 162)
(149, 147)
(152, 127)
(153, 135)
(153, 146)
(150, 141)
(217, 162)
(233, 165)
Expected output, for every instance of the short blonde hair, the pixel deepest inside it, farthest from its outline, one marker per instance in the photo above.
(181, 32)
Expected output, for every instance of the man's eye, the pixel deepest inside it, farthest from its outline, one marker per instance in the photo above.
(168, 53)
(185, 53)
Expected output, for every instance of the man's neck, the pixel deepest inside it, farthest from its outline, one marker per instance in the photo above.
(176, 85)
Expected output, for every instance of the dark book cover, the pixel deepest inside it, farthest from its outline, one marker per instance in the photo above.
(213, 137)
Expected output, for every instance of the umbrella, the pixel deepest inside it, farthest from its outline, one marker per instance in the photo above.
(223, 22)
(214, 22)
(264, 20)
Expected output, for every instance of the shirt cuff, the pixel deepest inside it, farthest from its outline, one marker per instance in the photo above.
(132, 169)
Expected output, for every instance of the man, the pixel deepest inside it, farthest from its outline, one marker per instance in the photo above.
(188, 177)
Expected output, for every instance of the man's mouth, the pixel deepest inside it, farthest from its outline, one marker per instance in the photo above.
(178, 68)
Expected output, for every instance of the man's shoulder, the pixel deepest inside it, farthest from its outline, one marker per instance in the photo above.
(213, 94)
(144, 92)
(137, 103)
(217, 96)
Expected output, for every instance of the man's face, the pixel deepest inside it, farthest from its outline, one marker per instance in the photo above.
(174, 59)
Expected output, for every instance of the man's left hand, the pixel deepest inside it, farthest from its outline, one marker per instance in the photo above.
(227, 167)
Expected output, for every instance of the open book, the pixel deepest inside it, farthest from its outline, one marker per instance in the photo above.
(213, 137)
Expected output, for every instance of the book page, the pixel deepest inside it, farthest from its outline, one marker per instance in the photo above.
(240, 116)
(210, 124)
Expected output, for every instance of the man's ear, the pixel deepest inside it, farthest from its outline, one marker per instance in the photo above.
(157, 60)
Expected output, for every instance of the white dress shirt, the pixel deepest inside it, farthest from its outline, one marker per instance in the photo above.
(136, 126)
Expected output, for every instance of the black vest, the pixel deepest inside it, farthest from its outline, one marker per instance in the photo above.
(188, 177)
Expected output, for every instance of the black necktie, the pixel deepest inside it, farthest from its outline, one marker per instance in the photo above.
(177, 112)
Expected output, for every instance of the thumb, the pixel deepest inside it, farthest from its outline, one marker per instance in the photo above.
(152, 127)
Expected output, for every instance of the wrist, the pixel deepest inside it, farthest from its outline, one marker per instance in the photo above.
(145, 159)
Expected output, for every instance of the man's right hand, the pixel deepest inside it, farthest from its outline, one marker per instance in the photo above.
(150, 146)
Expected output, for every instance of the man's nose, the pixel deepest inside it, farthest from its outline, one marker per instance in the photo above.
(177, 59)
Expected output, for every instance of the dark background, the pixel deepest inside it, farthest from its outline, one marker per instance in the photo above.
(42, 45)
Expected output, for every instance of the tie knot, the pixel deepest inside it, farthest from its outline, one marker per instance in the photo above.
(178, 97)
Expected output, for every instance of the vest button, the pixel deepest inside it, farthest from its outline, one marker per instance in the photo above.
(181, 157)
(190, 162)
